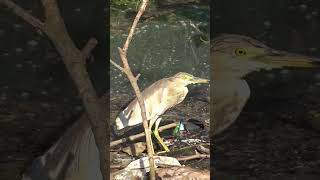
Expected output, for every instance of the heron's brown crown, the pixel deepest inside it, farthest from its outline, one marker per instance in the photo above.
(232, 40)
(183, 75)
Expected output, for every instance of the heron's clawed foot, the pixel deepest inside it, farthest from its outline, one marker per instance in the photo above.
(163, 152)
(165, 147)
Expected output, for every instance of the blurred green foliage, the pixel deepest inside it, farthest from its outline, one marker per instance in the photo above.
(124, 2)
(127, 3)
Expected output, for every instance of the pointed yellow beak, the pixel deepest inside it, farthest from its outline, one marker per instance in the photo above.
(197, 80)
(285, 59)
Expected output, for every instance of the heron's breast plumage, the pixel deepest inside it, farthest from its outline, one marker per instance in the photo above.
(229, 98)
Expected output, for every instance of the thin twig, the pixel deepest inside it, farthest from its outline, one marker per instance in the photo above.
(116, 167)
(191, 157)
(134, 24)
(140, 135)
(91, 44)
(117, 66)
(203, 149)
(137, 77)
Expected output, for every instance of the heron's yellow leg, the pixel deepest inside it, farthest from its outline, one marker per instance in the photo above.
(156, 134)
(151, 122)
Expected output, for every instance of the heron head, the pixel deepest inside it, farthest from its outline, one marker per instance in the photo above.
(186, 78)
(239, 55)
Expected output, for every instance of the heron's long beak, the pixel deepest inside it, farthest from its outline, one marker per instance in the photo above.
(285, 59)
(197, 80)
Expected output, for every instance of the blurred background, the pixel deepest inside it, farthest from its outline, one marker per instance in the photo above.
(172, 36)
(38, 100)
(277, 134)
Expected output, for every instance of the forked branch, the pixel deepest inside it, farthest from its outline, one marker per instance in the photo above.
(133, 81)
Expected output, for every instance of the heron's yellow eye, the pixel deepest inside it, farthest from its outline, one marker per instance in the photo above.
(240, 52)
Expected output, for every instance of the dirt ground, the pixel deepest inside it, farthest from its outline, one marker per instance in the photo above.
(194, 111)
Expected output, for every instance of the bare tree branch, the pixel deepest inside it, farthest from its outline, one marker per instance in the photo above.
(117, 66)
(51, 10)
(203, 149)
(140, 135)
(134, 25)
(74, 60)
(35, 22)
(137, 77)
(195, 156)
(91, 44)
(133, 82)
